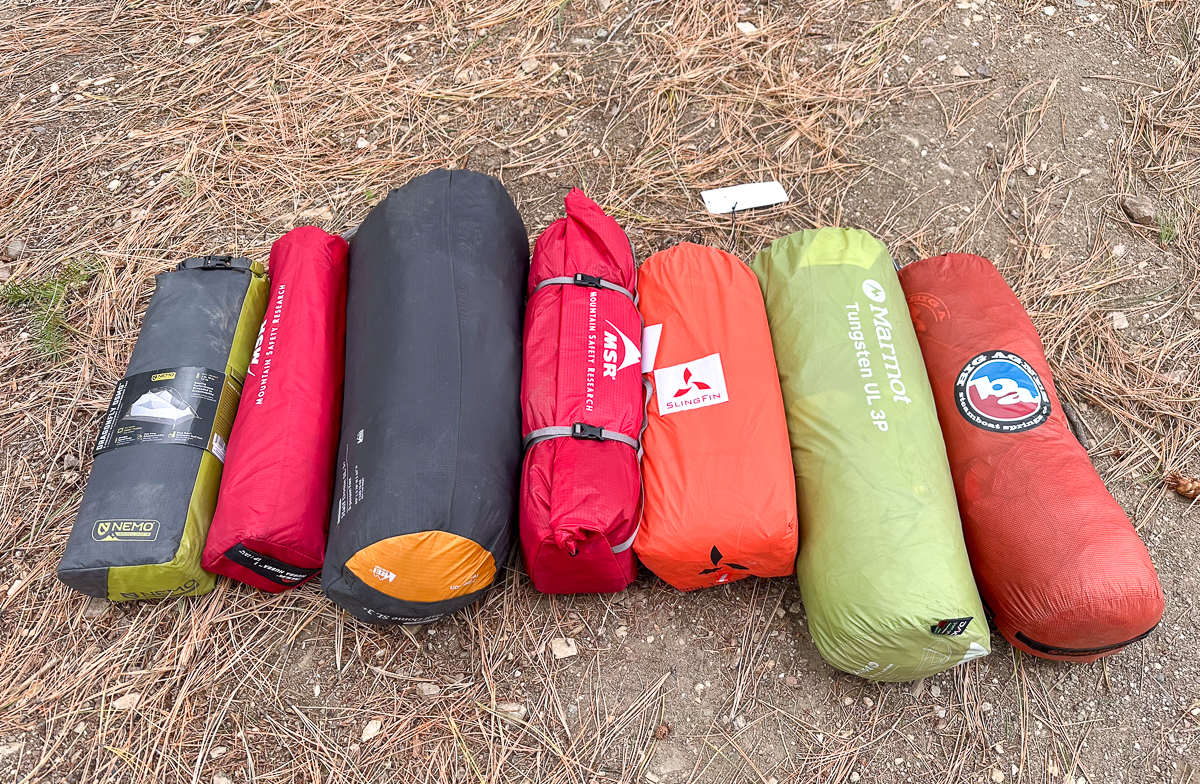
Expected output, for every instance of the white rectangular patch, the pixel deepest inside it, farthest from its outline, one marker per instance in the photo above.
(694, 384)
(650, 336)
(723, 201)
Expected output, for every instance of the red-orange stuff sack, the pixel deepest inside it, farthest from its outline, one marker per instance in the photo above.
(1059, 566)
(717, 468)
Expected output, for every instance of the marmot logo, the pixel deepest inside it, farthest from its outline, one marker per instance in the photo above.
(383, 574)
(633, 355)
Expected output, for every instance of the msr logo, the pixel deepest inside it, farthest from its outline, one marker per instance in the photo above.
(693, 384)
(383, 574)
(125, 531)
(632, 354)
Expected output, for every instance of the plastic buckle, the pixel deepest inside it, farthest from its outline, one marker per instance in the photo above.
(587, 432)
(590, 281)
(214, 262)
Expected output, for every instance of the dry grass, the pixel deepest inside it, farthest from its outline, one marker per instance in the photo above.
(223, 143)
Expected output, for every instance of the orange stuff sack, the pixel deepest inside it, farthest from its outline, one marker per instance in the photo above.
(717, 469)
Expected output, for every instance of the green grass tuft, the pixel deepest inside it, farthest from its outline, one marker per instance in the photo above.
(46, 298)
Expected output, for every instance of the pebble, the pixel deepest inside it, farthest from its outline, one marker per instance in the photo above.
(404, 57)
(39, 129)
(16, 246)
(216, 752)
(462, 77)
(1084, 3)
(984, 70)
(1140, 209)
(791, 682)
(1120, 320)
(601, 32)
(192, 40)
(70, 461)
(512, 711)
(917, 688)
(9, 749)
(854, 777)
(795, 607)
(5, 272)
(747, 28)
(95, 607)
(1031, 170)
(530, 65)
(564, 647)
(1118, 251)
(428, 689)
(847, 701)
(361, 143)
(959, 72)
(986, 707)
(373, 727)
(128, 702)
(54, 87)
(221, 778)
(622, 631)
(443, 119)
(997, 776)
(868, 702)
(115, 186)
(561, 133)
(927, 42)
(1049, 10)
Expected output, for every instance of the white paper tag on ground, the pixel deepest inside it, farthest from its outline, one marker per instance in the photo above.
(723, 201)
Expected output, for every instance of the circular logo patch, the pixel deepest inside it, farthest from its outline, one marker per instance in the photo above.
(1000, 391)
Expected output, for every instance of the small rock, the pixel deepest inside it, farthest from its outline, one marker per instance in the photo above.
(192, 40)
(404, 57)
(847, 701)
(984, 70)
(1140, 209)
(868, 702)
(564, 647)
(317, 690)
(740, 722)
(854, 777)
(54, 87)
(928, 42)
(221, 778)
(70, 461)
(216, 752)
(747, 28)
(530, 65)
(986, 707)
(115, 186)
(795, 607)
(958, 72)
(1118, 251)
(1083, 4)
(917, 688)
(791, 682)
(601, 32)
(512, 711)
(1120, 320)
(561, 133)
(997, 776)
(462, 77)
(372, 729)
(1049, 10)
(128, 702)
(361, 143)
(39, 129)
(96, 606)
(428, 690)
(81, 728)
(622, 631)
(5, 272)
(16, 246)
(443, 119)
(9, 749)
(935, 691)
(780, 612)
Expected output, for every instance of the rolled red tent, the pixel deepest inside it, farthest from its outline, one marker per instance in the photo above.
(1057, 562)
(272, 513)
(581, 398)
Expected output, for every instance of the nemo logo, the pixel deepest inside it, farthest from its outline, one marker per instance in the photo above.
(125, 531)
(163, 376)
(687, 379)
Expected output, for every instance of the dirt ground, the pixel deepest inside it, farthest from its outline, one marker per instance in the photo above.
(134, 134)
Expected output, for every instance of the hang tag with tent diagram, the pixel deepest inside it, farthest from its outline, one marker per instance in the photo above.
(723, 201)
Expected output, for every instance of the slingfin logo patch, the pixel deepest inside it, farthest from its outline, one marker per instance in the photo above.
(694, 384)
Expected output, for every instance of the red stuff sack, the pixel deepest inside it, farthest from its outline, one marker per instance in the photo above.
(273, 509)
(1059, 566)
(581, 400)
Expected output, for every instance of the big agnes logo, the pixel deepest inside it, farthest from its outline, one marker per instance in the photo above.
(694, 384)
(619, 351)
(1000, 391)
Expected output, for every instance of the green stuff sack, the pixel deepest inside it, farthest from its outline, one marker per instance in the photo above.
(883, 567)
(150, 497)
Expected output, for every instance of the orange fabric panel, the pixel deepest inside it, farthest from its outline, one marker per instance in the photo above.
(717, 470)
(429, 566)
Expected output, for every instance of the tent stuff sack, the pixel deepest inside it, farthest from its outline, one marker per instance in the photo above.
(582, 401)
(1060, 567)
(429, 459)
(883, 568)
(720, 496)
(153, 487)
(273, 509)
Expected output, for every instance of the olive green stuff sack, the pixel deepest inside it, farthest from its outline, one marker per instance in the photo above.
(883, 567)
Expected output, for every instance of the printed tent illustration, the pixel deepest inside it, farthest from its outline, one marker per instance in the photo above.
(161, 405)
(581, 396)
(273, 511)
(430, 449)
(720, 496)
(883, 568)
(1060, 567)
(150, 497)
